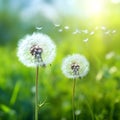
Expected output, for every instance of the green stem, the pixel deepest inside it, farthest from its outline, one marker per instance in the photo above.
(90, 109)
(73, 97)
(36, 94)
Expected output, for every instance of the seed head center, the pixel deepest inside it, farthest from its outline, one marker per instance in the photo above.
(75, 68)
(36, 51)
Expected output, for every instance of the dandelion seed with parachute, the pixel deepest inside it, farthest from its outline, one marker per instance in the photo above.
(39, 28)
(66, 27)
(92, 33)
(85, 31)
(77, 31)
(114, 31)
(36, 50)
(85, 40)
(57, 25)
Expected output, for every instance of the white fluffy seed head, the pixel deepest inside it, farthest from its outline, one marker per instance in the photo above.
(75, 66)
(41, 44)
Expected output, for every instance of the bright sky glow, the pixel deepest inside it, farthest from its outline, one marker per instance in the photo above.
(116, 1)
(94, 7)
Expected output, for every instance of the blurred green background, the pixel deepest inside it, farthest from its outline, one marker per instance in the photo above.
(88, 27)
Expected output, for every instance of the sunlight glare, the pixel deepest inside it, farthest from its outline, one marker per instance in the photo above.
(94, 7)
(116, 1)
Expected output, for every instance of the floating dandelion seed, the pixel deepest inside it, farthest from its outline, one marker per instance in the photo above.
(103, 28)
(85, 40)
(77, 31)
(85, 31)
(107, 32)
(57, 25)
(114, 31)
(66, 27)
(92, 33)
(36, 50)
(75, 66)
(39, 28)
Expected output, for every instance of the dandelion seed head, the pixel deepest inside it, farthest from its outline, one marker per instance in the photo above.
(77, 31)
(75, 66)
(36, 50)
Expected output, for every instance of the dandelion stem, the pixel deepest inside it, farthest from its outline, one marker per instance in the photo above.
(73, 97)
(36, 94)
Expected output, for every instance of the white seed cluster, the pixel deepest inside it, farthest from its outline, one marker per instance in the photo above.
(75, 66)
(36, 50)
